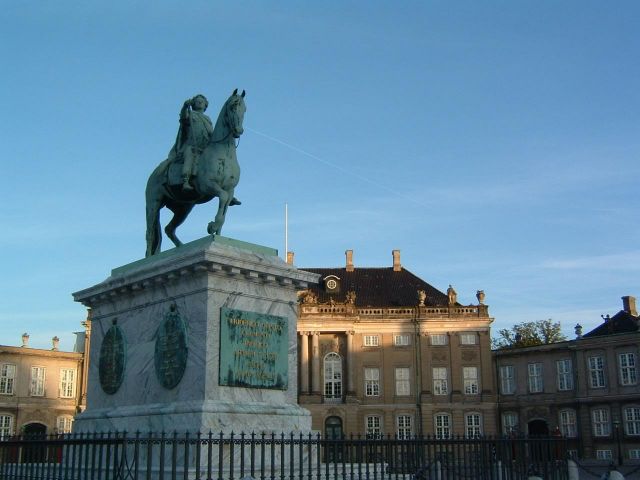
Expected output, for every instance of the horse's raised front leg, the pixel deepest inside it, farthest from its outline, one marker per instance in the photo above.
(215, 227)
(180, 212)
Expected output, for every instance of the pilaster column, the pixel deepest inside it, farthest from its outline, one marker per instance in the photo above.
(304, 363)
(350, 388)
(315, 363)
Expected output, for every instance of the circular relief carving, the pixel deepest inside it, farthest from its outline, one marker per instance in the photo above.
(112, 360)
(331, 284)
(171, 349)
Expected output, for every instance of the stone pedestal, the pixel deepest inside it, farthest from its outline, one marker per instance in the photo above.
(161, 325)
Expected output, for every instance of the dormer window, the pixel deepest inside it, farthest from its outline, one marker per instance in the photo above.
(332, 284)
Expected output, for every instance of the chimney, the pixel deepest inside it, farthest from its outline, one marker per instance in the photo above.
(55, 341)
(349, 255)
(25, 339)
(290, 258)
(629, 305)
(397, 267)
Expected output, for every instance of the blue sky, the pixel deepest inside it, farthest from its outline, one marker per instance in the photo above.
(495, 143)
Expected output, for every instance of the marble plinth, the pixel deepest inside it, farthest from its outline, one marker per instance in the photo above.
(197, 281)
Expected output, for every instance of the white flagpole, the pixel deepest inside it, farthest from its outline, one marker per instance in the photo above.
(286, 231)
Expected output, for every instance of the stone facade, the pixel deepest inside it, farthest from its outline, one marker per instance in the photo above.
(383, 352)
(40, 390)
(586, 389)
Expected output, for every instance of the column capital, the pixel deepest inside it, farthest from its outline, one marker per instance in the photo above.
(350, 332)
(315, 334)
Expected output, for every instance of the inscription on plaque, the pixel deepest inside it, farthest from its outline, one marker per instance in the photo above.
(253, 349)
(112, 359)
(171, 349)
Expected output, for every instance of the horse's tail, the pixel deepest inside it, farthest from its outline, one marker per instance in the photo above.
(154, 196)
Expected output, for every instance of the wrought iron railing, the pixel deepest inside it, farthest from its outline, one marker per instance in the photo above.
(115, 456)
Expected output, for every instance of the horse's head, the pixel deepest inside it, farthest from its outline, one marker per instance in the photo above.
(234, 113)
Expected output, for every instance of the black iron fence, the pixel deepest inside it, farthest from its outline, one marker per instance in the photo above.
(120, 456)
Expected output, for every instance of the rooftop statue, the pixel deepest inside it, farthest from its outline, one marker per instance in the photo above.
(201, 165)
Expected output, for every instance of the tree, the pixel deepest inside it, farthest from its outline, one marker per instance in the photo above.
(527, 334)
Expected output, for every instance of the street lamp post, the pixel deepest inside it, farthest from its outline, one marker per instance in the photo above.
(616, 425)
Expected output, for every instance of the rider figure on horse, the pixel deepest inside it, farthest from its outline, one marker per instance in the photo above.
(193, 137)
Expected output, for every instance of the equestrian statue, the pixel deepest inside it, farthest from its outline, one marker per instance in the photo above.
(201, 165)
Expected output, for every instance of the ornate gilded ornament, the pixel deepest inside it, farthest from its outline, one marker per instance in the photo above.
(171, 349)
(112, 360)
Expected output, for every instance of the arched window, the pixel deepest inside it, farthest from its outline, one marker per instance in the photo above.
(333, 427)
(332, 376)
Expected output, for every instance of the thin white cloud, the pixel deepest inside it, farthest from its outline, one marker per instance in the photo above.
(627, 261)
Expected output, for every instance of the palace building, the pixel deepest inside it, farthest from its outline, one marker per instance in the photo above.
(383, 352)
(41, 390)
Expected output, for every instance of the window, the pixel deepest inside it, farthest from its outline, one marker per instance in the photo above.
(403, 426)
(371, 341)
(507, 380)
(373, 426)
(372, 382)
(600, 422)
(438, 339)
(627, 362)
(401, 340)
(67, 382)
(632, 420)
(470, 375)
(403, 386)
(509, 423)
(472, 425)
(468, 339)
(565, 374)
(603, 454)
(440, 381)
(332, 375)
(63, 424)
(634, 453)
(568, 423)
(442, 423)
(37, 381)
(6, 426)
(7, 378)
(535, 377)
(596, 372)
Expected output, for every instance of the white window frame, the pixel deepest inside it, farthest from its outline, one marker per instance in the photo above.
(373, 426)
(64, 424)
(634, 453)
(627, 369)
(596, 371)
(438, 339)
(535, 379)
(68, 385)
(473, 425)
(7, 378)
(471, 383)
(632, 421)
(38, 381)
(403, 426)
(600, 424)
(507, 380)
(604, 454)
(403, 381)
(440, 380)
(468, 338)
(568, 425)
(509, 423)
(564, 371)
(401, 340)
(6, 426)
(371, 340)
(442, 425)
(332, 368)
(371, 381)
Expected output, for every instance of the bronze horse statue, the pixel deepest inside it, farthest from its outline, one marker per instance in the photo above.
(218, 173)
